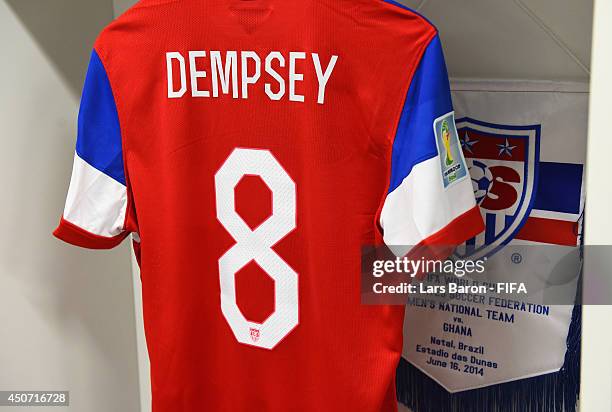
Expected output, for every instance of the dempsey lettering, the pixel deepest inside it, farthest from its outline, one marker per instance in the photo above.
(241, 71)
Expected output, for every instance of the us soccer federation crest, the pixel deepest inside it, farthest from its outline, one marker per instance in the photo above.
(254, 334)
(503, 164)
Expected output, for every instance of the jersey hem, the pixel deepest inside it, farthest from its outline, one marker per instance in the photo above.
(73, 234)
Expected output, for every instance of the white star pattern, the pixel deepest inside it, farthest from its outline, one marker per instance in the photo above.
(505, 149)
(467, 144)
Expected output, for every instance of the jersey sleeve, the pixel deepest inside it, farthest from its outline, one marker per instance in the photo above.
(96, 205)
(430, 199)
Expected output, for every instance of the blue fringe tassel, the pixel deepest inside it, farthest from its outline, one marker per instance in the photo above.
(554, 392)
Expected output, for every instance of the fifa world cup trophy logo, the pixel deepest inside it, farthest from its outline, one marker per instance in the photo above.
(446, 136)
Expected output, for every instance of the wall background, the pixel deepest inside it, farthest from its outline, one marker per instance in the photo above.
(596, 360)
(122, 5)
(66, 314)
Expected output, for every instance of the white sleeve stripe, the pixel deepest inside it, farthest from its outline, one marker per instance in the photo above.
(96, 202)
(420, 206)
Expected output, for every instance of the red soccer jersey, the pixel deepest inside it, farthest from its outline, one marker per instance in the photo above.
(253, 147)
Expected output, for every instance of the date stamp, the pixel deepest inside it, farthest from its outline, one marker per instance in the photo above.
(34, 398)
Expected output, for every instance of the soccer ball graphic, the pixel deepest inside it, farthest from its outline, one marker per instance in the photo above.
(482, 180)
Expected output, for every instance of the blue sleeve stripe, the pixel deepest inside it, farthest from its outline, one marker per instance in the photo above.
(99, 134)
(428, 98)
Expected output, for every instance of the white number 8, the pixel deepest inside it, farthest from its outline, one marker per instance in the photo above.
(257, 245)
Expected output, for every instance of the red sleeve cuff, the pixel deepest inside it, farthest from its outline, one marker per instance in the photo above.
(74, 235)
(442, 244)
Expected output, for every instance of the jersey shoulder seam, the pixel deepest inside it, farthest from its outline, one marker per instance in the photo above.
(412, 11)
